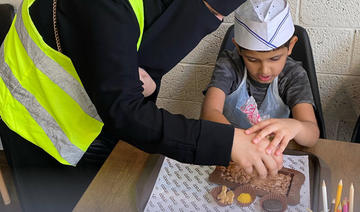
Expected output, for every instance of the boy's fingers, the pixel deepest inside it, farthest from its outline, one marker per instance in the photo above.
(259, 137)
(263, 133)
(282, 146)
(252, 129)
(257, 127)
(274, 143)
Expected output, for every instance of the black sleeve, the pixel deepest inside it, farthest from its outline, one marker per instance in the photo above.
(100, 37)
(178, 29)
(225, 7)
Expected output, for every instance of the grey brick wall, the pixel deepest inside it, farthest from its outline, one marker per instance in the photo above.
(334, 30)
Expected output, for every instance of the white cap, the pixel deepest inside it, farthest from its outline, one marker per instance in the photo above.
(263, 25)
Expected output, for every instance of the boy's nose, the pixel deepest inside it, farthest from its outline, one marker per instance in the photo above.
(264, 69)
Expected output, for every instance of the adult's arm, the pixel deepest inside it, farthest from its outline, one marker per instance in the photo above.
(93, 37)
(100, 37)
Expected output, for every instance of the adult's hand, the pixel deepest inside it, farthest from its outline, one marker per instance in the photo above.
(224, 7)
(249, 155)
(216, 13)
(148, 83)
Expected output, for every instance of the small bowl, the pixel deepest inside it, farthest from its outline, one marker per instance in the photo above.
(215, 192)
(245, 189)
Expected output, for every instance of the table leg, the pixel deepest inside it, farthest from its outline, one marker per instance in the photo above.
(3, 190)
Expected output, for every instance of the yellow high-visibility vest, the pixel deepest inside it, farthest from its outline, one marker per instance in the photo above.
(41, 95)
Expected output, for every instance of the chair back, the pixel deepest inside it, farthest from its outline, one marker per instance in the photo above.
(356, 133)
(302, 52)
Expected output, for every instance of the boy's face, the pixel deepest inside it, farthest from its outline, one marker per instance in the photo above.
(265, 66)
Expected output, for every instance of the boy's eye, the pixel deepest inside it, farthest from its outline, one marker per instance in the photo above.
(250, 59)
(276, 58)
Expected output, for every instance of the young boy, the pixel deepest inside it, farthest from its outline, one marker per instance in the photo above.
(260, 67)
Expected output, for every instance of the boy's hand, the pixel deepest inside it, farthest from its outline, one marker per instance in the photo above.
(282, 130)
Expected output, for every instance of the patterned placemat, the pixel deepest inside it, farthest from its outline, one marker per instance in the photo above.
(185, 187)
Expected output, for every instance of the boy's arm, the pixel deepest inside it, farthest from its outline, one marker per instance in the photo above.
(244, 152)
(302, 128)
(212, 108)
(309, 133)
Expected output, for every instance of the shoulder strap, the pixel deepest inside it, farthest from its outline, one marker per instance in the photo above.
(56, 31)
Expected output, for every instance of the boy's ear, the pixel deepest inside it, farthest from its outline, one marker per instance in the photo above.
(292, 43)
(236, 45)
(234, 42)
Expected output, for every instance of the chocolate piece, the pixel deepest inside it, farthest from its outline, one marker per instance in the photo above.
(293, 196)
(236, 174)
(279, 183)
(287, 182)
(272, 205)
(217, 176)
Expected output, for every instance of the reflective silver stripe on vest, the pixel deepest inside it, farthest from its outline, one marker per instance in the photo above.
(54, 71)
(66, 149)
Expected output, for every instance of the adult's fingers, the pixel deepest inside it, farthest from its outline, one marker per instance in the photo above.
(270, 164)
(249, 170)
(260, 168)
(279, 160)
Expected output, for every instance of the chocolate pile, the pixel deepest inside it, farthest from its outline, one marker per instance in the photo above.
(234, 173)
(287, 182)
(273, 184)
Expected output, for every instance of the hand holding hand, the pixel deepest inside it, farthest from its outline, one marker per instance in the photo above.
(249, 155)
(282, 131)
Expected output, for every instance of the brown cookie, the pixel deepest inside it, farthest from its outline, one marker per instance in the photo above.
(298, 178)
